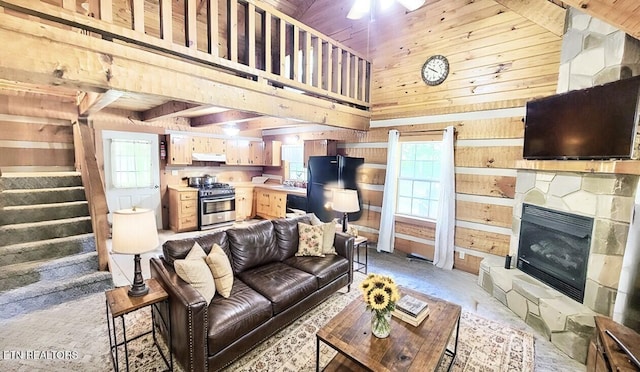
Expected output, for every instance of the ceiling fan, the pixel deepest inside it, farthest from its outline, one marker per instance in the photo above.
(361, 7)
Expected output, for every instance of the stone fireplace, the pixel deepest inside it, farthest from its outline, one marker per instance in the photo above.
(600, 205)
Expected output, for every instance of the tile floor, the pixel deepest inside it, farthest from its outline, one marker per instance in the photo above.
(455, 286)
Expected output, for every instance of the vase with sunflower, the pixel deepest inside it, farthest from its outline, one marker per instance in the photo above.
(380, 294)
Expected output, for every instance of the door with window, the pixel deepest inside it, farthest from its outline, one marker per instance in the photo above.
(132, 171)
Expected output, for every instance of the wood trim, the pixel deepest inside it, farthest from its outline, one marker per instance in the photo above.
(166, 20)
(137, 10)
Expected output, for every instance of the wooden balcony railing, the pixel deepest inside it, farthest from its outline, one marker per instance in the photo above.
(243, 37)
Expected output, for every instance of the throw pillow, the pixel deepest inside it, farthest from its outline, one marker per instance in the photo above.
(315, 221)
(194, 270)
(221, 269)
(310, 240)
(328, 234)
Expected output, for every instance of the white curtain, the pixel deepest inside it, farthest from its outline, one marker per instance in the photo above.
(445, 223)
(387, 226)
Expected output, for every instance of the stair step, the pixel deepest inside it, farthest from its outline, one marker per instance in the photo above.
(43, 212)
(40, 180)
(10, 198)
(43, 294)
(25, 273)
(47, 249)
(36, 231)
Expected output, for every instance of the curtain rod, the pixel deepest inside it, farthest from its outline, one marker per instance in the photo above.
(425, 131)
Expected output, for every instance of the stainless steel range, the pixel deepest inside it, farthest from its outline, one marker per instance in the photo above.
(216, 205)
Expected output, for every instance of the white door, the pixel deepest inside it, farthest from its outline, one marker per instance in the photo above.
(132, 171)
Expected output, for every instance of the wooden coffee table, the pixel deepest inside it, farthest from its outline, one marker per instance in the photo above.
(408, 348)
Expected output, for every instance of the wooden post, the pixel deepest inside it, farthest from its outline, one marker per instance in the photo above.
(317, 62)
(250, 35)
(191, 24)
(138, 15)
(232, 26)
(327, 77)
(266, 32)
(212, 17)
(166, 18)
(106, 11)
(294, 56)
(283, 46)
(307, 58)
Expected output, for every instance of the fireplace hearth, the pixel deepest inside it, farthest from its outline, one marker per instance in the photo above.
(554, 248)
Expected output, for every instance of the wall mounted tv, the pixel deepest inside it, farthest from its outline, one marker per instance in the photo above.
(594, 123)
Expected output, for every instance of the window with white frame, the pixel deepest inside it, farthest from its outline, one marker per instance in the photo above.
(294, 156)
(419, 179)
(131, 164)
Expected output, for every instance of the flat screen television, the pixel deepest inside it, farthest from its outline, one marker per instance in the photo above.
(594, 123)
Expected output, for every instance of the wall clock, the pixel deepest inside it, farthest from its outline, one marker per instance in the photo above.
(435, 70)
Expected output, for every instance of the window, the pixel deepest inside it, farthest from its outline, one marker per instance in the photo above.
(294, 156)
(418, 183)
(131, 164)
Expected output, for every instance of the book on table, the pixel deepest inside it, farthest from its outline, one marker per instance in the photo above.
(411, 310)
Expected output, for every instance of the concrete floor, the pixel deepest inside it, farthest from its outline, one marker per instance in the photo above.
(455, 286)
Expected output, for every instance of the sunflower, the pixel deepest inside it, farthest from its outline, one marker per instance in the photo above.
(378, 299)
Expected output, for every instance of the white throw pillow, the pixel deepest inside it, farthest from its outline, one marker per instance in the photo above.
(195, 271)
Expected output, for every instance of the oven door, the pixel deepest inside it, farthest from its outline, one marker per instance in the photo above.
(217, 210)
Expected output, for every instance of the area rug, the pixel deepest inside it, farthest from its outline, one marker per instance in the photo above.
(79, 329)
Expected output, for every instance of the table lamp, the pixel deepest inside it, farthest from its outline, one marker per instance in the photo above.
(345, 201)
(134, 232)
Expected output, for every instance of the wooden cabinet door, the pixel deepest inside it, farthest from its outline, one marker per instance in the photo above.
(244, 204)
(179, 149)
(319, 148)
(256, 153)
(263, 203)
(273, 153)
(232, 152)
(278, 205)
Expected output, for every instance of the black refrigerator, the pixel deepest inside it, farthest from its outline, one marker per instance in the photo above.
(325, 173)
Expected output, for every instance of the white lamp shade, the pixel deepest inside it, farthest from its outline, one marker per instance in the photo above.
(134, 231)
(411, 5)
(345, 201)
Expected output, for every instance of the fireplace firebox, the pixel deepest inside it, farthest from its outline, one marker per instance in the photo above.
(554, 248)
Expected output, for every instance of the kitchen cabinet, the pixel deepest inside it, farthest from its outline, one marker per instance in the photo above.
(183, 209)
(319, 148)
(256, 153)
(208, 145)
(237, 152)
(270, 204)
(273, 153)
(244, 203)
(179, 149)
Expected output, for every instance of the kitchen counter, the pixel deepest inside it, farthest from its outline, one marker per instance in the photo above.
(299, 191)
(182, 188)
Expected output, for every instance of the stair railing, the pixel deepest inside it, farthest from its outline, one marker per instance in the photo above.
(87, 165)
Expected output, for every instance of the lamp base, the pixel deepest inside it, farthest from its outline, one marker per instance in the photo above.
(344, 222)
(139, 288)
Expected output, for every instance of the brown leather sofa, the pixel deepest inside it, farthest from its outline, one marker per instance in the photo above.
(272, 287)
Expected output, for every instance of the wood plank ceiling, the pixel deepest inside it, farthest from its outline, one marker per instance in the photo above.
(331, 21)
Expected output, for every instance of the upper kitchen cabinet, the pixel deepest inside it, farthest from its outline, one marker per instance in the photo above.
(238, 152)
(256, 153)
(319, 148)
(273, 153)
(179, 149)
(207, 145)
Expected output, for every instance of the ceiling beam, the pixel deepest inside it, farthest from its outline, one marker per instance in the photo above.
(224, 117)
(92, 102)
(92, 64)
(541, 12)
(170, 109)
(267, 123)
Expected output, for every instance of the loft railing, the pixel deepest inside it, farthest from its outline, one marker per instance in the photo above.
(243, 37)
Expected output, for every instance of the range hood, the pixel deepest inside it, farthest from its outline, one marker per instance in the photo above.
(200, 156)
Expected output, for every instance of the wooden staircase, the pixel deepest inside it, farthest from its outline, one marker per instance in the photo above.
(47, 249)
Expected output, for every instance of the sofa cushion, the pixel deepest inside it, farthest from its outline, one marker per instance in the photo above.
(310, 240)
(328, 235)
(194, 270)
(287, 234)
(178, 249)
(221, 270)
(281, 284)
(253, 246)
(325, 269)
(232, 318)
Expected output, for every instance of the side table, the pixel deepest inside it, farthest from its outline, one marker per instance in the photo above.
(360, 265)
(119, 303)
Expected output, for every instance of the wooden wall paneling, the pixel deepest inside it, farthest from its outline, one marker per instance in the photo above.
(488, 157)
(13, 157)
(370, 235)
(371, 197)
(412, 247)
(483, 241)
(542, 12)
(372, 176)
(370, 155)
(32, 132)
(488, 185)
(468, 263)
(488, 214)
(423, 230)
(369, 218)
